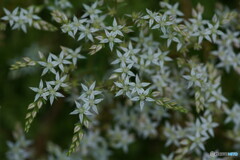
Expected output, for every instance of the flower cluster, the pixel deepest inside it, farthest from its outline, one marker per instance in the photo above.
(191, 138)
(120, 138)
(88, 103)
(20, 148)
(20, 18)
(158, 73)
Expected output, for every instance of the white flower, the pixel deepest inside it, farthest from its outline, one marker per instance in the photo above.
(171, 133)
(11, 17)
(89, 91)
(20, 22)
(214, 29)
(162, 23)
(20, 18)
(231, 37)
(132, 52)
(81, 111)
(162, 58)
(151, 16)
(233, 114)
(146, 127)
(21, 148)
(198, 127)
(122, 58)
(193, 78)
(76, 24)
(143, 66)
(98, 21)
(208, 124)
(201, 34)
(115, 28)
(138, 85)
(49, 65)
(63, 4)
(150, 57)
(61, 60)
(53, 93)
(120, 138)
(41, 92)
(59, 81)
(110, 38)
(160, 81)
(124, 86)
(125, 70)
(29, 14)
(67, 28)
(74, 54)
(172, 10)
(197, 21)
(171, 36)
(197, 141)
(87, 32)
(217, 97)
(169, 157)
(91, 102)
(91, 11)
(143, 96)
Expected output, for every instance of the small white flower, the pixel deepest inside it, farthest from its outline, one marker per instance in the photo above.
(67, 28)
(124, 86)
(53, 93)
(161, 58)
(77, 23)
(193, 78)
(89, 91)
(143, 96)
(132, 52)
(150, 57)
(172, 10)
(81, 111)
(171, 133)
(91, 11)
(233, 114)
(63, 4)
(125, 70)
(74, 54)
(92, 102)
(138, 85)
(198, 127)
(61, 60)
(162, 23)
(151, 17)
(169, 157)
(30, 16)
(11, 17)
(86, 32)
(208, 124)
(41, 92)
(115, 28)
(197, 141)
(110, 38)
(21, 22)
(214, 29)
(122, 58)
(59, 81)
(217, 97)
(49, 65)
(171, 36)
(202, 34)
(120, 138)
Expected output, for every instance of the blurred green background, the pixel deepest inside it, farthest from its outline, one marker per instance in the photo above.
(15, 94)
